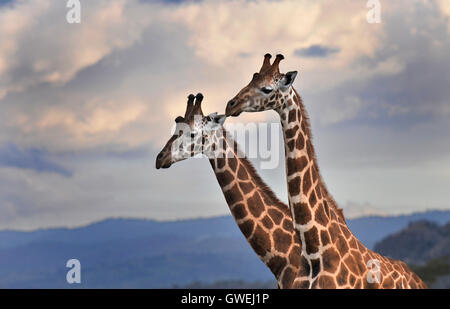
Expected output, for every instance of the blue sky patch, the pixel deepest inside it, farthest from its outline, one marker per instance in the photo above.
(316, 51)
(33, 158)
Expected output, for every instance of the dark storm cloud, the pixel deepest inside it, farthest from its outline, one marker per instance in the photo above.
(421, 89)
(5, 2)
(33, 158)
(415, 93)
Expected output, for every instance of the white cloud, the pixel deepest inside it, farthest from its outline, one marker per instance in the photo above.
(347, 109)
(36, 39)
(222, 30)
(444, 5)
(356, 210)
(93, 122)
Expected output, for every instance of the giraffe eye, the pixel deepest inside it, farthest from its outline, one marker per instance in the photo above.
(266, 90)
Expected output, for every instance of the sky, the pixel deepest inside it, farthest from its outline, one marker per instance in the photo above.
(85, 108)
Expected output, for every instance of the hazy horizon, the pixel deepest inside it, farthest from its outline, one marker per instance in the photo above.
(86, 224)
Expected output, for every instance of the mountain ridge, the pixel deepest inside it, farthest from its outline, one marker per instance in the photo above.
(366, 228)
(119, 218)
(142, 253)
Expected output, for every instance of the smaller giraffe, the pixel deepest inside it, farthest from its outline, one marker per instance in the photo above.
(336, 257)
(265, 221)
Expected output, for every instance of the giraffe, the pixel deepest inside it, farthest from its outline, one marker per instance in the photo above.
(263, 219)
(337, 259)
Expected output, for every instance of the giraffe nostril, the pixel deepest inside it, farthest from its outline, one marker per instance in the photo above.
(231, 103)
(159, 156)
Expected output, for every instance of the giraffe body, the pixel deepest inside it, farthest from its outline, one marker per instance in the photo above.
(335, 257)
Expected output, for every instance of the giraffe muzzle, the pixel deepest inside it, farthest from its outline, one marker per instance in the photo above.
(162, 161)
(232, 109)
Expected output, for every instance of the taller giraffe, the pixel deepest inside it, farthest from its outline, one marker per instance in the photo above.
(337, 259)
(265, 221)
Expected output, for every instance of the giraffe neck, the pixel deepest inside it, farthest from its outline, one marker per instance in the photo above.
(336, 258)
(314, 211)
(263, 219)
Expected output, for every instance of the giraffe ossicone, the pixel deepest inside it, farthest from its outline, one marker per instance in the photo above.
(337, 259)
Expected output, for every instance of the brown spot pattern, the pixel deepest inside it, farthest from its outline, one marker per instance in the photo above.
(239, 211)
(292, 116)
(300, 144)
(294, 186)
(267, 222)
(306, 182)
(315, 267)
(246, 228)
(232, 163)
(287, 225)
(288, 277)
(326, 282)
(242, 173)
(282, 240)
(276, 215)
(260, 241)
(330, 260)
(312, 240)
(302, 214)
(277, 264)
(224, 178)
(294, 257)
(320, 216)
(324, 238)
(255, 205)
(233, 195)
(290, 133)
(305, 269)
(246, 187)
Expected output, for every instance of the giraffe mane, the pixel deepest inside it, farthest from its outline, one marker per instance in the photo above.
(262, 185)
(323, 186)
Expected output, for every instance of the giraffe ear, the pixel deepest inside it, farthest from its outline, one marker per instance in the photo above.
(288, 79)
(220, 119)
(179, 119)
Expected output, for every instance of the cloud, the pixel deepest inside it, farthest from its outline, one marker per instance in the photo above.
(289, 25)
(445, 10)
(25, 61)
(159, 53)
(356, 210)
(348, 108)
(93, 120)
(112, 185)
(98, 100)
(316, 51)
(34, 159)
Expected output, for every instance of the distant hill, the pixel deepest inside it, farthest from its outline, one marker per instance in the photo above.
(374, 228)
(435, 273)
(136, 253)
(425, 246)
(420, 242)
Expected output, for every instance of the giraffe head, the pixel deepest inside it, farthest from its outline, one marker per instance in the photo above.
(265, 90)
(195, 134)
